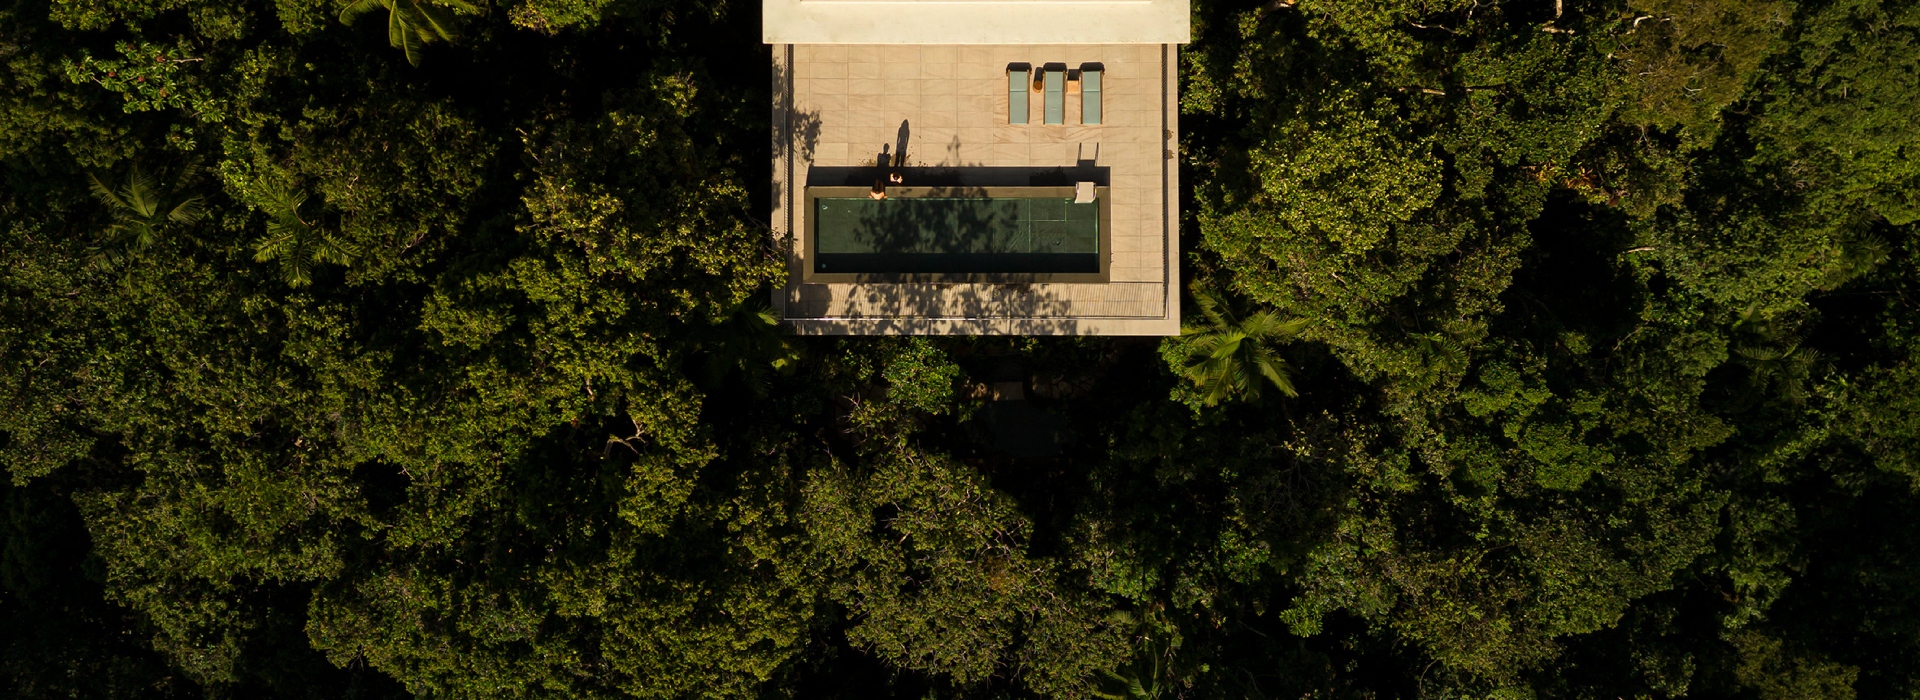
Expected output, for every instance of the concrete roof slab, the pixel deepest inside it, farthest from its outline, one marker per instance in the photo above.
(976, 22)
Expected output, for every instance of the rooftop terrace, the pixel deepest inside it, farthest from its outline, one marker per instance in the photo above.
(945, 108)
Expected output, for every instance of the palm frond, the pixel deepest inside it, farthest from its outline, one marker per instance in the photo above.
(354, 9)
(1436, 348)
(1231, 381)
(297, 244)
(412, 24)
(143, 234)
(283, 210)
(1205, 343)
(1276, 371)
(434, 22)
(272, 247)
(141, 194)
(1211, 306)
(332, 249)
(297, 270)
(137, 210)
(188, 210)
(1266, 325)
(105, 258)
(1225, 355)
(1217, 373)
(1786, 370)
(407, 38)
(106, 194)
(1213, 357)
(397, 26)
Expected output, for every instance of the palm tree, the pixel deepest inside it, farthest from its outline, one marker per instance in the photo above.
(140, 212)
(1774, 358)
(1224, 354)
(1787, 370)
(1144, 676)
(748, 339)
(297, 243)
(411, 24)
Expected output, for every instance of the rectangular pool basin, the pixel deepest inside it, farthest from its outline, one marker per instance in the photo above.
(955, 235)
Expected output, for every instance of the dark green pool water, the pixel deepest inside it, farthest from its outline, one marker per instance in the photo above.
(935, 234)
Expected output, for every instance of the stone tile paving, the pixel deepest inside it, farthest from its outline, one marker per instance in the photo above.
(847, 101)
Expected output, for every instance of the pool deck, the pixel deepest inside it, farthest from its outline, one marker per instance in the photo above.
(836, 105)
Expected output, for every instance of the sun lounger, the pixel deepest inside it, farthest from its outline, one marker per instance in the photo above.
(1090, 96)
(1056, 99)
(1017, 93)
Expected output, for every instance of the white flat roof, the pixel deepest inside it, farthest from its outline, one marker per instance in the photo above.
(976, 22)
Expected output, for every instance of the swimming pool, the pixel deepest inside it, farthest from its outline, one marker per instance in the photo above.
(936, 233)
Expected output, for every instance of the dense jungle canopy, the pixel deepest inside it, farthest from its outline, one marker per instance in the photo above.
(407, 348)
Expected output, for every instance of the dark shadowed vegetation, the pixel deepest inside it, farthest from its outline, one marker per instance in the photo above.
(1539, 348)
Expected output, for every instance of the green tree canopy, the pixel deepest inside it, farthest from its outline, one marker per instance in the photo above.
(325, 374)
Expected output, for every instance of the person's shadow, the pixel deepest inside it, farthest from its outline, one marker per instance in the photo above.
(900, 146)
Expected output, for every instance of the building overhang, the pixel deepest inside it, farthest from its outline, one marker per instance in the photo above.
(975, 22)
